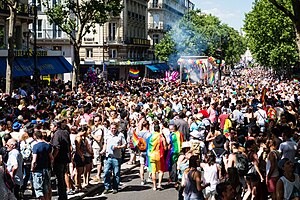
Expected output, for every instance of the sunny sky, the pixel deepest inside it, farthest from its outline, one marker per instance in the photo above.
(231, 12)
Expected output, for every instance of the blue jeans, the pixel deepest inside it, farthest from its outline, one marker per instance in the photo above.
(111, 163)
(27, 177)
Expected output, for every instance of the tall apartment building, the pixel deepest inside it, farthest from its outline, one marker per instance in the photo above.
(125, 41)
(120, 43)
(162, 15)
(44, 61)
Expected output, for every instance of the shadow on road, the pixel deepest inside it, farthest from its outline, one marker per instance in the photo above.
(128, 178)
(132, 188)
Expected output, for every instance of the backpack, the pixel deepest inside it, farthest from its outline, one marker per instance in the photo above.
(26, 151)
(219, 159)
(242, 164)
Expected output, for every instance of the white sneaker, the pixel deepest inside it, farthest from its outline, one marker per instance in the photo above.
(149, 180)
(143, 183)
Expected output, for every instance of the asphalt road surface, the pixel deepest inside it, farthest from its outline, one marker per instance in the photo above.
(133, 190)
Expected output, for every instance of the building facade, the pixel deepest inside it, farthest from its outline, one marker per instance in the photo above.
(125, 41)
(162, 15)
(23, 18)
(120, 41)
(27, 59)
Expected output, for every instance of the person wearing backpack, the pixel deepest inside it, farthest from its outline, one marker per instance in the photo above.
(26, 144)
(143, 135)
(236, 167)
(220, 153)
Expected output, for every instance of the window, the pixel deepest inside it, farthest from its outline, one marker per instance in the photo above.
(155, 39)
(113, 53)
(156, 20)
(40, 22)
(112, 31)
(57, 48)
(58, 32)
(2, 37)
(155, 3)
(39, 28)
(88, 53)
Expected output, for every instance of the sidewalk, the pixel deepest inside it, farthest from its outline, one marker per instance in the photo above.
(125, 168)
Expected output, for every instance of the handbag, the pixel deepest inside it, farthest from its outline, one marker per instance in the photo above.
(8, 179)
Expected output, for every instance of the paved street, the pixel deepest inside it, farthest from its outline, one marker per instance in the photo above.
(133, 190)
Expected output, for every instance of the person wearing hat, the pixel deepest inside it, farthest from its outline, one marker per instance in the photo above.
(219, 151)
(16, 134)
(288, 186)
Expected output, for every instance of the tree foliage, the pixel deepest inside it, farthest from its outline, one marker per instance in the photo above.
(291, 9)
(271, 36)
(78, 18)
(199, 34)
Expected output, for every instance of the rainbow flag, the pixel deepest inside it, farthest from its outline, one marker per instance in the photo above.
(134, 73)
(263, 94)
(212, 78)
(176, 140)
(155, 152)
(135, 139)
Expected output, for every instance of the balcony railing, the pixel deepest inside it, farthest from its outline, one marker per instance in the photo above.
(50, 34)
(155, 5)
(116, 40)
(159, 26)
(137, 41)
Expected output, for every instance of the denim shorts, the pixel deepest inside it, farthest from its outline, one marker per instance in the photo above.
(41, 182)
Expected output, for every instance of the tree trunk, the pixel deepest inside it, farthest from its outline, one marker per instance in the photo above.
(76, 66)
(297, 29)
(11, 56)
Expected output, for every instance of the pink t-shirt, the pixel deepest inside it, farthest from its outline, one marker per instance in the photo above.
(212, 115)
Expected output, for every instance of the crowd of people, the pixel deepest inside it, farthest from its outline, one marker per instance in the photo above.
(235, 140)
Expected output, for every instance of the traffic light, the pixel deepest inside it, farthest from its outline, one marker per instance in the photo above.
(218, 56)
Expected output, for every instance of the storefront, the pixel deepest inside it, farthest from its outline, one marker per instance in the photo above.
(47, 63)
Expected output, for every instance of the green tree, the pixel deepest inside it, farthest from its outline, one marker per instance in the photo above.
(271, 36)
(291, 9)
(78, 18)
(199, 34)
(165, 48)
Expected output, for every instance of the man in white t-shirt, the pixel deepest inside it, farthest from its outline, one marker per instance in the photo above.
(288, 148)
(261, 117)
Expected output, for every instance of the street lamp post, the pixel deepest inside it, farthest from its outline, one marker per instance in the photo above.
(35, 69)
(27, 35)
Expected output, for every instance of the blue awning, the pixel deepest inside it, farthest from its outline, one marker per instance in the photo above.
(152, 68)
(158, 67)
(24, 66)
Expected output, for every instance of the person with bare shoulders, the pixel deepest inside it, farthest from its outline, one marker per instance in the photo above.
(192, 182)
(288, 186)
